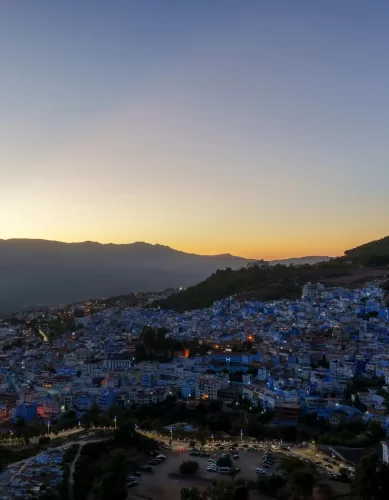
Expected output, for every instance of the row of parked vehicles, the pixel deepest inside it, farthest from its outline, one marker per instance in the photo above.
(132, 480)
(213, 467)
(158, 458)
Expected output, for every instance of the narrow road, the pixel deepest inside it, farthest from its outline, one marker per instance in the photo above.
(43, 334)
(71, 472)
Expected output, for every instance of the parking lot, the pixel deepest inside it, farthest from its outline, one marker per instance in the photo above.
(159, 485)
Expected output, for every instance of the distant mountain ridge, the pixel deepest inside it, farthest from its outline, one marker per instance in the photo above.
(43, 272)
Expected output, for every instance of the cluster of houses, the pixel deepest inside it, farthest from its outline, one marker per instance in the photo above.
(292, 356)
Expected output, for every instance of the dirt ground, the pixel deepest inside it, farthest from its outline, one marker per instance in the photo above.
(357, 277)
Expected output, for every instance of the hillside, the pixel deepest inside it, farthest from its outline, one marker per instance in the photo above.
(372, 253)
(284, 281)
(265, 284)
(41, 272)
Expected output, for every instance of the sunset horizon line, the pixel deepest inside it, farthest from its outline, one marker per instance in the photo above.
(172, 247)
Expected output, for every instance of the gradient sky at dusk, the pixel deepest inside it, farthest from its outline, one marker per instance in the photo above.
(258, 128)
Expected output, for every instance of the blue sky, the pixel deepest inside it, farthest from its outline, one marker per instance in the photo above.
(251, 127)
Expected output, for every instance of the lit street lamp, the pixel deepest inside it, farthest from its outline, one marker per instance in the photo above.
(114, 420)
(241, 435)
(48, 427)
(171, 433)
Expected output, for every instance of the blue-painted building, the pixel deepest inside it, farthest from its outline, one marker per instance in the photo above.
(26, 411)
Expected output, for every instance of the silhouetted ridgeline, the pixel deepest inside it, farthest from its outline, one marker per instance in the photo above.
(40, 272)
(375, 253)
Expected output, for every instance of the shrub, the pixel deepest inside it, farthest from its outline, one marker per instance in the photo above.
(189, 467)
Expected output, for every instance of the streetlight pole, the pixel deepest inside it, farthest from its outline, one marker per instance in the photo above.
(114, 420)
(171, 433)
(48, 427)
(241, 435)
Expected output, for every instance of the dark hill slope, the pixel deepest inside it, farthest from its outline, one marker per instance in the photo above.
(375, 253)
(265, 283)
(279, 282)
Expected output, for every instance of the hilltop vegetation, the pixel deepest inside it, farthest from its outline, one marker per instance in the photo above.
(280, 281)
(374, 253)
(271, 283)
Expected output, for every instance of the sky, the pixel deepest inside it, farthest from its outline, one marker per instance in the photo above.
(258, 128)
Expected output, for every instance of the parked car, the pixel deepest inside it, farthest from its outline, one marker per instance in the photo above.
(137, 473)
(260, 472)
(154, 462)
(146, 468)
(130, 484)
(236, 457)
(223, 470)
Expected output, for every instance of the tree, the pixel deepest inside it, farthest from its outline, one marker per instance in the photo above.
(112, 484)
(224, 461)
(221, 490)
(189, 467)
(300, 484)
(190, 494)
(371, 479)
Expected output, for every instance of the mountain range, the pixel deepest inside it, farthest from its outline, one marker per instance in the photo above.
(43, 272)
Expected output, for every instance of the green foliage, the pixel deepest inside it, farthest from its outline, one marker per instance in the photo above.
(126, 436)
(189, 467)
(371, 479)
(224, 461)
(112, 483)
(223, 490)
(94, 417)
(271, 283)
(88, 467)
(300, 484)
(190, 494)
(372, 253)
(156, 345)
(353, 434)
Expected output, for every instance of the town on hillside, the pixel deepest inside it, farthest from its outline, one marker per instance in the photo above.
(307, 377)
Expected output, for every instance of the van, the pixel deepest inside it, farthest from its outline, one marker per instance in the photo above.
(223, 470)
